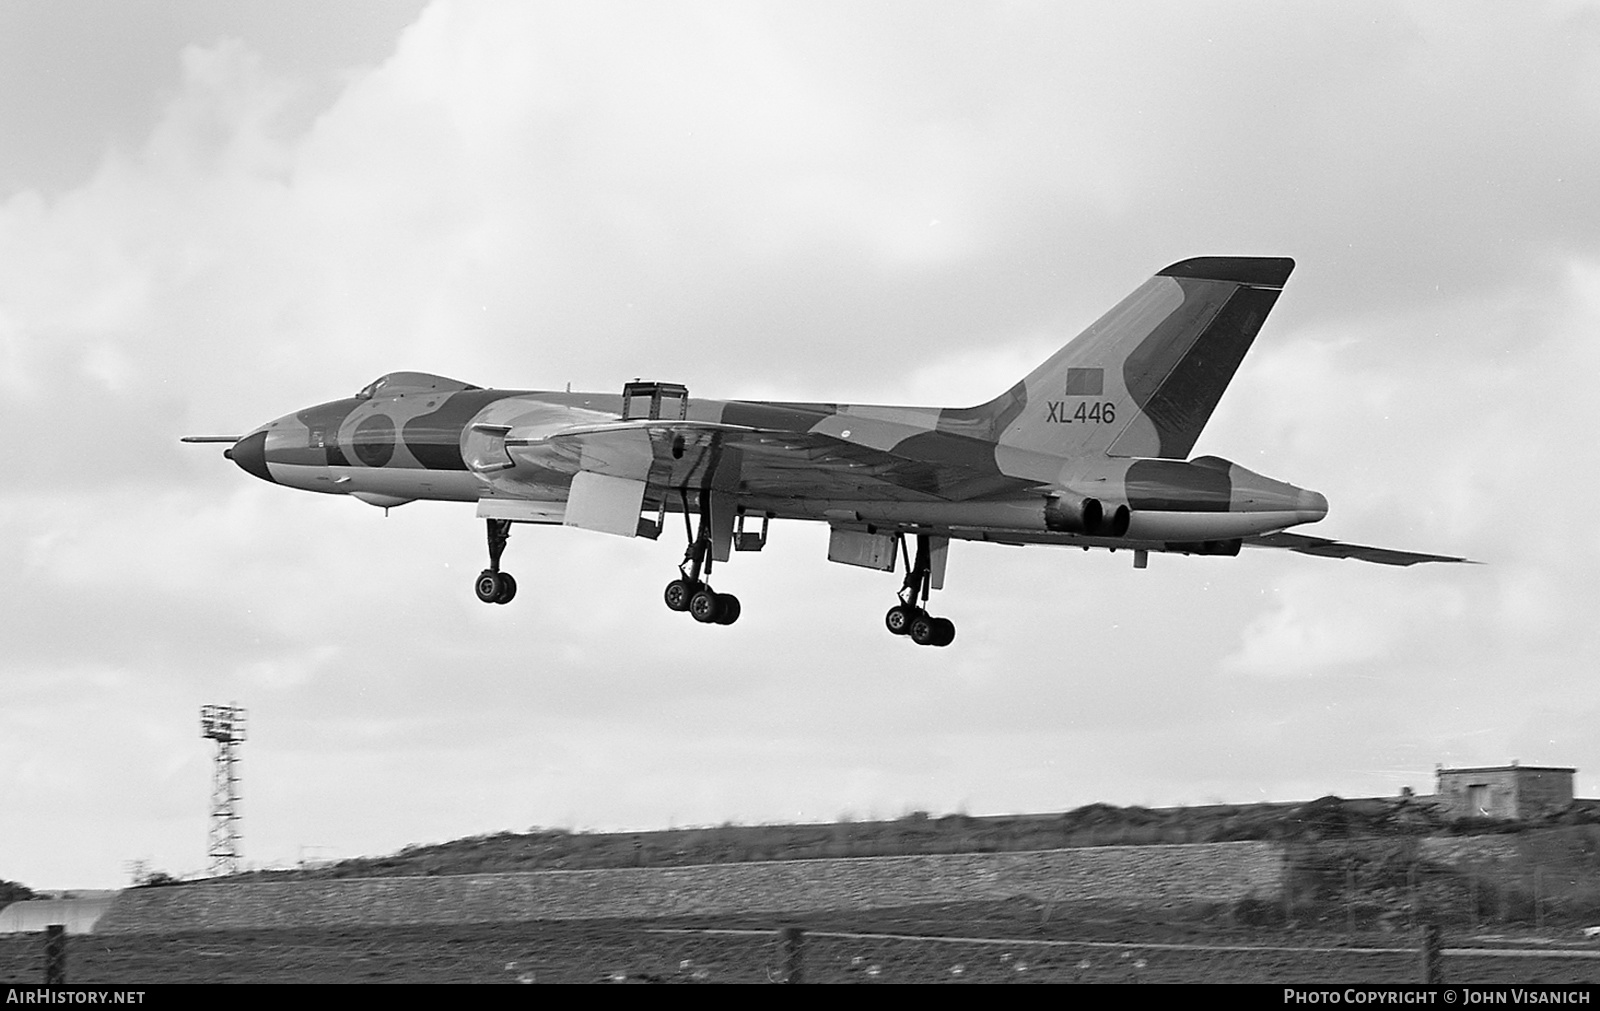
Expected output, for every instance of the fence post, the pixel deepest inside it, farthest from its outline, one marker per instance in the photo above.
(1412, 906)
(1432, 954)
(1350, 897)
(1472, 888)
(792, 940)
(55, 953)
(1538, 896)
(1289, 858)
(1505, 892)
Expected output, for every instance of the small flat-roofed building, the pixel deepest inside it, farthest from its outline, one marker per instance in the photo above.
(1507, 792)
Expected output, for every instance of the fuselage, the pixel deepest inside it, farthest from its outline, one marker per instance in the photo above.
(410, 436)
(1089, 449)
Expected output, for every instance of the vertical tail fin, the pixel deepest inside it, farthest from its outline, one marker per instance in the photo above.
(1144, 379)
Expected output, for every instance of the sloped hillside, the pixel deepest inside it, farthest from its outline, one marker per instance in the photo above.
(1327, 818)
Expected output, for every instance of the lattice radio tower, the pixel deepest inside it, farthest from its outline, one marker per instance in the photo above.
(225, 725)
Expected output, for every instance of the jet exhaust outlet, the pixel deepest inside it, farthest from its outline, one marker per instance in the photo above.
(1071, 515)
(1117, 525)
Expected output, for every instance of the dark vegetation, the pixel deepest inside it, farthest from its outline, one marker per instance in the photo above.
(11, 891)
(1328, 818)
(157, 879)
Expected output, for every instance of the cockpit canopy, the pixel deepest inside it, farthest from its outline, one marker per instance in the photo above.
(396, 383)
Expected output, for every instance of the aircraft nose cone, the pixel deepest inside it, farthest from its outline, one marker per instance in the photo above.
(250, 453)
(1312, 502)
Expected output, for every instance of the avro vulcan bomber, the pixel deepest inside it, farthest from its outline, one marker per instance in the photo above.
(1089, 450)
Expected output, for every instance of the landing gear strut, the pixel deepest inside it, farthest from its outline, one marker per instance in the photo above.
(494, 586)
(908, 617)
(689, 592)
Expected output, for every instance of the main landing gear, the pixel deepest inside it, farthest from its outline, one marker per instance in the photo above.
(689, 592)
(908, 617)
(494, 586)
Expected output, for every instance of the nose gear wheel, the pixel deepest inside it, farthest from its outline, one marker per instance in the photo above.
(494, 586)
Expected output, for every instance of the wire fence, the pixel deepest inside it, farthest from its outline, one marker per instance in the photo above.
(635, 952)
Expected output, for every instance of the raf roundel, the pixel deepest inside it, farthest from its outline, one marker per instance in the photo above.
(374, 440)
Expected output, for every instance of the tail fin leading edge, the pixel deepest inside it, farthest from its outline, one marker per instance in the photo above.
(1145, 378)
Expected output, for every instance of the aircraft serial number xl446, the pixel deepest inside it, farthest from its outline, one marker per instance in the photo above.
(1089, 450)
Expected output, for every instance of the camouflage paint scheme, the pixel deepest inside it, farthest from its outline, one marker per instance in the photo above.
(1089, 449)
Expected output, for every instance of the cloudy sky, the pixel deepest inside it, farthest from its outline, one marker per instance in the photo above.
(212, 215)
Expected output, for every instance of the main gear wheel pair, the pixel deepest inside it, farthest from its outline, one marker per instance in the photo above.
(920, 626)
(704, 604)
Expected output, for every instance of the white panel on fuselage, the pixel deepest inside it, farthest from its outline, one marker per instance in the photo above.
(608, 504)
(857, 547)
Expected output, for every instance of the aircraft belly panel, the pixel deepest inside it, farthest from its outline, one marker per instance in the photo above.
(521, 510)
(408, 484)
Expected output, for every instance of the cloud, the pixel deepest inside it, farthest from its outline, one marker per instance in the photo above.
(1299, 638)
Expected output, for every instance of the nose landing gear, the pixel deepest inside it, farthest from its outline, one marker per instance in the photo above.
(908, 617)
(494, 586)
